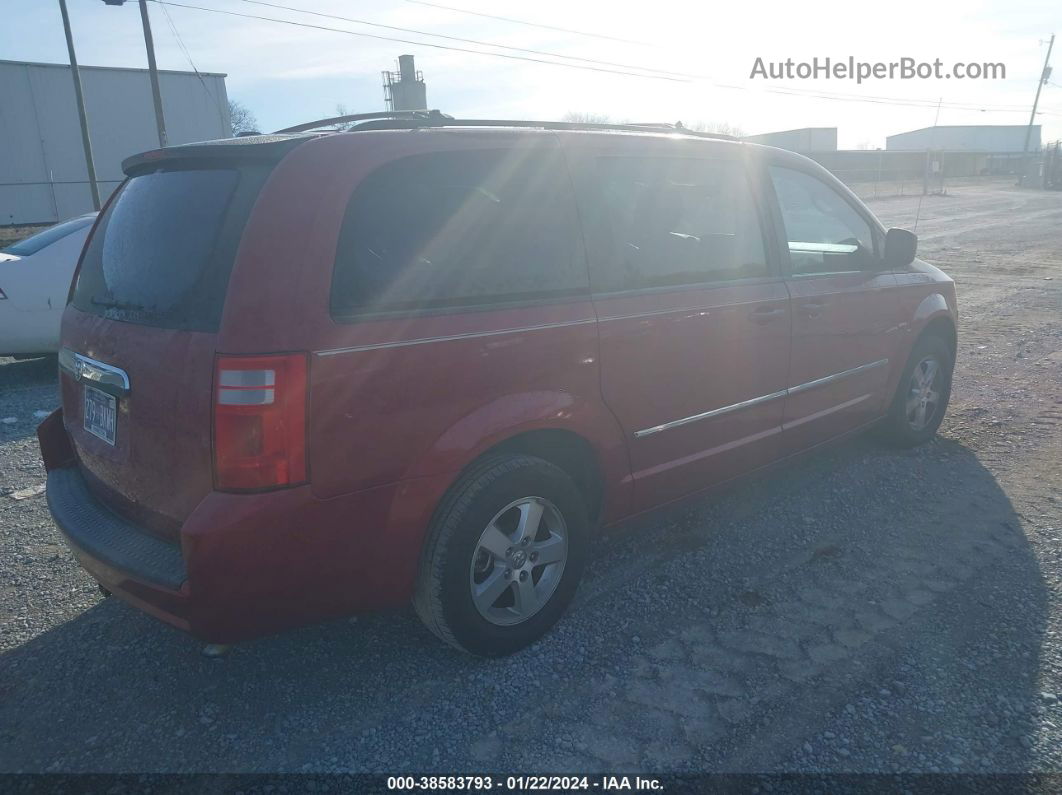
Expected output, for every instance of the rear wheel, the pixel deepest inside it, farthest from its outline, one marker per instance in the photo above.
(503, 557)
(922, 394)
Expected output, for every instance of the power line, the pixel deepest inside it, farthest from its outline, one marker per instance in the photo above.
(675, 77)
(689, 76)
(180, 43)
(923, 103)
(531, 24)
(468, 41)
(422, 43)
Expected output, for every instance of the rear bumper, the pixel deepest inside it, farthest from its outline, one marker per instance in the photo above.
(249, 564)
(141, 569)
(98, 533)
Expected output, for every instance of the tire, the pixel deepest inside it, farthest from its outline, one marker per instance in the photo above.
(904, 426)
(460, 555)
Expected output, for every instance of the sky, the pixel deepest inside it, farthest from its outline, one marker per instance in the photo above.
(286, 74)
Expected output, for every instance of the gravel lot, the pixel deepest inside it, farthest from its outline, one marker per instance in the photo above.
(863, 610)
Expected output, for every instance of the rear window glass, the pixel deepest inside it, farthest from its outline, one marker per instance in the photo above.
(53, 234)
(452, 229)
(164, 248)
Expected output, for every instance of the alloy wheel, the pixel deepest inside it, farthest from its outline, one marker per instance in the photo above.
(518, 561)
(924, 393)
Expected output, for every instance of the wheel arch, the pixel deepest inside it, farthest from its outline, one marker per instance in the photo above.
(941, 325)
(568, 451)
(441, 595)
(935, 316)
(577, 434)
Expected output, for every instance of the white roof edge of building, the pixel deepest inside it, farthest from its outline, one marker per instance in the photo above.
(964, 127)
(795, 129)
(113, 68)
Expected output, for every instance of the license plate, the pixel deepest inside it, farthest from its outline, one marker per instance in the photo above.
(101, 414)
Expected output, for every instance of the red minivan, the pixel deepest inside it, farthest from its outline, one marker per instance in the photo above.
(310, 374)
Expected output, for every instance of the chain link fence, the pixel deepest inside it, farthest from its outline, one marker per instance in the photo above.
(876, 173)
(1052, 166)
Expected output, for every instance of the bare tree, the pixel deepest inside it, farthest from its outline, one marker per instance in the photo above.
(342, 110)
(581, 117)
(243, 120)
(721, 127)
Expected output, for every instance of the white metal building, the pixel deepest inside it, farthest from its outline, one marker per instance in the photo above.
(967, 138)
(806, 139)
(43, 177)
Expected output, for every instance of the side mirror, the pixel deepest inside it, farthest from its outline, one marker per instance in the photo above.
(900, 247)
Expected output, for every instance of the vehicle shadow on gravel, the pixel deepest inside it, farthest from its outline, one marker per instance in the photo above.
(27, 372)
(33, 383)
(810, 589)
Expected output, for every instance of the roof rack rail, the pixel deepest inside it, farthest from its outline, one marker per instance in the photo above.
(355, 117)
(411, 119)
(580, 125)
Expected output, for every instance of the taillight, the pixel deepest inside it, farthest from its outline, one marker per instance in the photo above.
(259, 421)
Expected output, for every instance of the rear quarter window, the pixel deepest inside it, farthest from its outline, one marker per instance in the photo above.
(163, 251)
(459, 229)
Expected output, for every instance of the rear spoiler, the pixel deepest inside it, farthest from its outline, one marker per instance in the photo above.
(251, 147)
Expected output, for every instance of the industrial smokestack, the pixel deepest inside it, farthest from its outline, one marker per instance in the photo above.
(405, 89)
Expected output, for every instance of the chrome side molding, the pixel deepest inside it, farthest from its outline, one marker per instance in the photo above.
(744, 404)
(713, 413)
(829, 379)
(103, 376)
(451, 337)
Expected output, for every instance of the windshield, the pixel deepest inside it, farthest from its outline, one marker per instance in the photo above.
(34, 243)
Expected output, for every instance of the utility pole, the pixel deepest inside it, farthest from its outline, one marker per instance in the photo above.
(86, 142)
(153, 72)
(156, 95)
(1032, 116)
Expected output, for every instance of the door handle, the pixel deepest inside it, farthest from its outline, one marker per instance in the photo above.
(812, 309)
(765, 314)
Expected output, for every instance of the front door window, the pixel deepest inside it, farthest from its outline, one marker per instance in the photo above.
(824, 232)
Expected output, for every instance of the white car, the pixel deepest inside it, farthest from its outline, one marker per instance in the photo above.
(35, 276)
